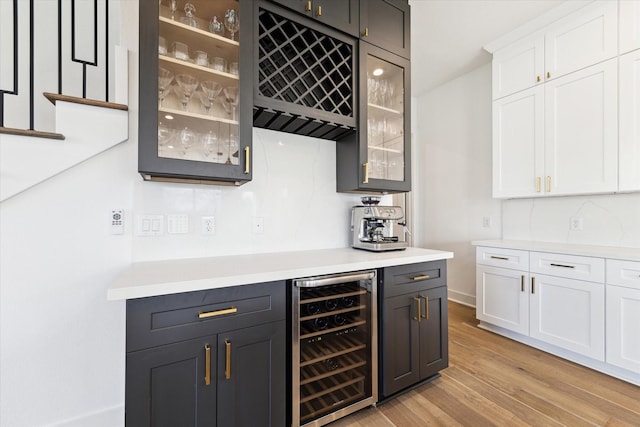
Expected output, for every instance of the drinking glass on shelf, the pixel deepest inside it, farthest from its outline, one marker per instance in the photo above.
(231, 96)
(186, 137)
(188, 84)
(216, 26)
(173, 6)
(232, 154)
(204, 100)
(165, 137)
(233, 68)
(202, 58)
(210, 144)
(211, 89)
(164, 80)
(219, 64)
(189, 19)
(162, 45)
(232, 22)
(181, 51)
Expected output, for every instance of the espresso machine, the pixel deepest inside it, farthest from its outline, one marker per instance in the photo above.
(377, 228)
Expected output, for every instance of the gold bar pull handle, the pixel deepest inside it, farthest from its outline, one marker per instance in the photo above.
(548, 184)
(247, 160)
(207, 366)
(426, 307)
(522, 283)
(420, 277)
(533, 285)
(538, 79)
(538, 184)
(419, 318)
(227, 365)
(366, 173)
(308, 8)
(365, 33)
(548, 75)
(319, 11)
(207, 314)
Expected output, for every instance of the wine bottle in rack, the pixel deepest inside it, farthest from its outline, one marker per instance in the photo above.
(312, 308)
(339, 319)
(348, 301)
(331, 304)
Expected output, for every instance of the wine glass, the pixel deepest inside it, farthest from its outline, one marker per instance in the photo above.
(189, 19)
(165, 135)
(211, 89)
(232, 21)
(188, 84)
(210, 143)
(164, 80)
(233, 149)
(186, 137)
(231, 95)
(204, 100)
(173, 6)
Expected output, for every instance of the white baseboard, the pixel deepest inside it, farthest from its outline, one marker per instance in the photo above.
(110, 417)
(461, 298)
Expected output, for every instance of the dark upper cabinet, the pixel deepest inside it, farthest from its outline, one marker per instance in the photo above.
(342, 15)
(413, 326)
(305, 75)
(195, 92)
(387, 24)
(377, 159)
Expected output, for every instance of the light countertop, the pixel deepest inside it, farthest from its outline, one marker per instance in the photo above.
(629, 254)
(145, 279)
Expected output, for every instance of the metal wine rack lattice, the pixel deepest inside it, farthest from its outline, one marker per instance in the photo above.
(305, 77)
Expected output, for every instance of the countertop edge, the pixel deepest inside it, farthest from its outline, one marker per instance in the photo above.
(134, 284)
(611, 252)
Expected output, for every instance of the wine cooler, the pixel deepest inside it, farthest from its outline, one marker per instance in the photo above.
(334, 346)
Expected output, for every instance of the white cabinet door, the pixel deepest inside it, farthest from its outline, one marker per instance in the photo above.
(584, 38)
(581, 138)
(502, 298)
(568, 314)
(623, 320)
(518, 143)
(629, 117)
(518, 67)
(629, 25)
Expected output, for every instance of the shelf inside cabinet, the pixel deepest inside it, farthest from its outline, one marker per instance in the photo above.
(177, 66)
(312, 409)
(187, 116)
(385, 110)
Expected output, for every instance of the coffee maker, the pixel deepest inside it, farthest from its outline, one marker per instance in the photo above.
(377, 228)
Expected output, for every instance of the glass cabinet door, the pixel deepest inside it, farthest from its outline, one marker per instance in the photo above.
(386, 120)
(199, 102)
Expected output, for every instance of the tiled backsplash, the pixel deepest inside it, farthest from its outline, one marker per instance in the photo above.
(608, 220)
(293, 191)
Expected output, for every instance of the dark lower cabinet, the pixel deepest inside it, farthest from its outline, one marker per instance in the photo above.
(233, 375)
(413, 330)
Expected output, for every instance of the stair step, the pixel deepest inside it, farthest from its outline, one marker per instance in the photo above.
(53, 97)
(34, 133)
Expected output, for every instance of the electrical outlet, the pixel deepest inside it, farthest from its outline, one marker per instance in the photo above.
(208, 225)
(575, 223)
(258, 225)
(486, 222)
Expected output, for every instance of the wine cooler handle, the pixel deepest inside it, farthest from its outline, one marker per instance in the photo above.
(426, 307)
(417, 300)
(227, 366)
(314, 282)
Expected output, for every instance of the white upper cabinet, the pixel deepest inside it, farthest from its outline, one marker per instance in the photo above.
(629, 121)
(518, 67)
(581, 138)
(586, 37)
(629, 25)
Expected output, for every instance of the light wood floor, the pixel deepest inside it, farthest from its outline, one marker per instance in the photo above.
(494, 381)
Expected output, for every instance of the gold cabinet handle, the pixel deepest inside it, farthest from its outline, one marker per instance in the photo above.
(207, 314)
(420, 277)
(548, 75)
(366, 173)
(538, 184)
(308, 8)
(207, 366)
(533, 285)
(538, 79)
(426, 307)
(319, 11)
(227, 365)
(365, 33)
(419, 318)
(548, 184)
(522, 284)
(247, 160)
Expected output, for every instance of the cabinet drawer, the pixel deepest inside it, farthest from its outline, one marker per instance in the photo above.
(569, 266)
(504, 258)
(171, 318)
(403, 279)
(623, 273)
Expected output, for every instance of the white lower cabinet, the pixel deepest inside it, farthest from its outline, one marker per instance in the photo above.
(623, 314)
(502, 298)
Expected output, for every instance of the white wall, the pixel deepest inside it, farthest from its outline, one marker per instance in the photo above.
(452, 185)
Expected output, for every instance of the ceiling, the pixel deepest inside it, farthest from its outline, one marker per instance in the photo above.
(447, 36)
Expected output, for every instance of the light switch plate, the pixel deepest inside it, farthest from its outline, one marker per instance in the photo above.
(149, 225)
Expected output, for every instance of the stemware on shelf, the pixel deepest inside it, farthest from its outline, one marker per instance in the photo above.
(164, 80)
(173, 7)
(211, 89)
(188, 84)
(165, 138)
(204, 100)
(186, 137)
(232, 22)
(231, 96)
(216, 26)
(233, 149)
(189, 19)
(210, 144)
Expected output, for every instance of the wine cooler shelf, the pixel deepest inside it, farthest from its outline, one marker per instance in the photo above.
(341, 397)
(332, 366)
